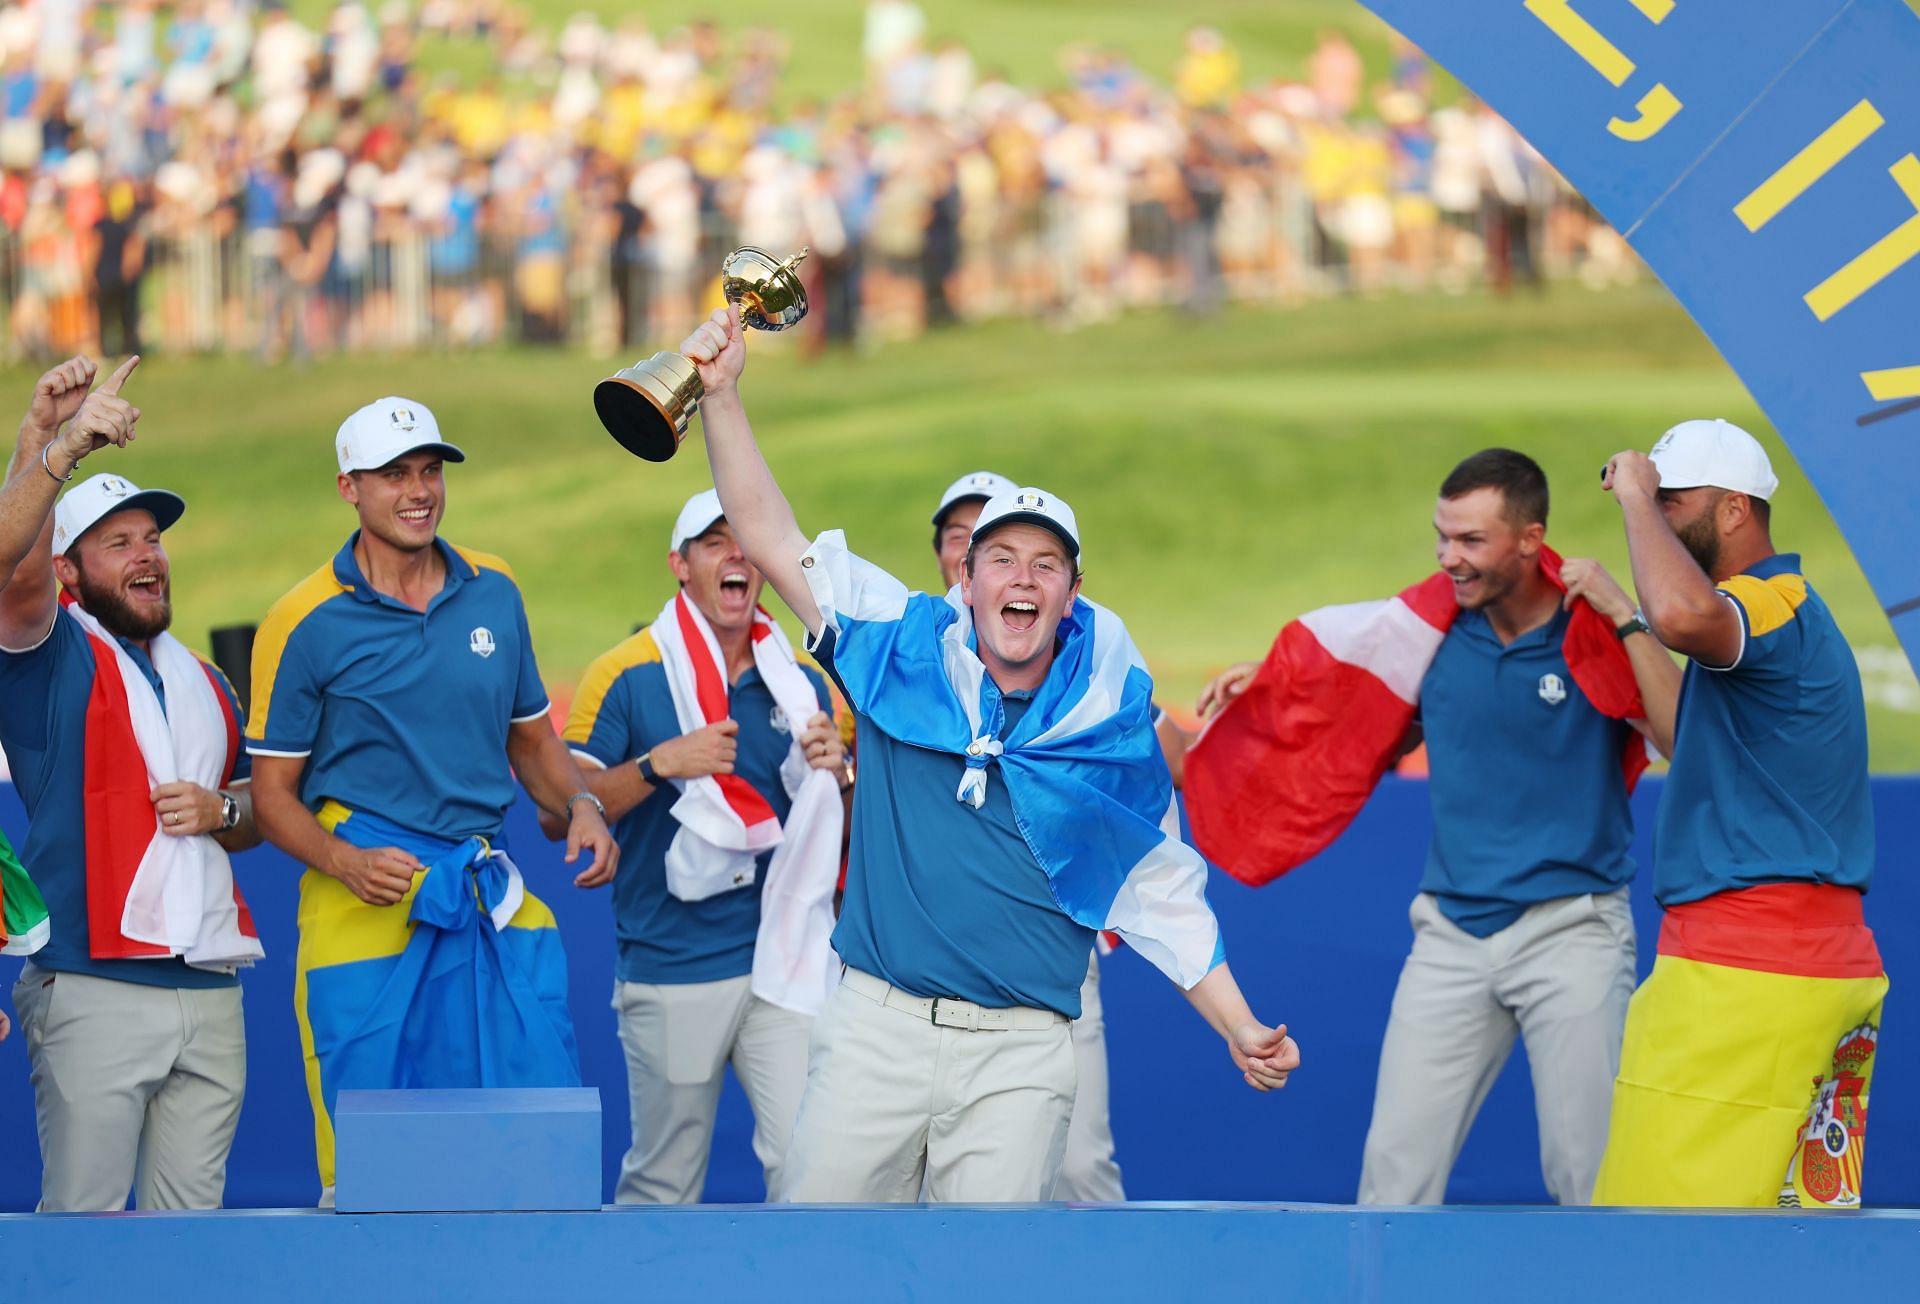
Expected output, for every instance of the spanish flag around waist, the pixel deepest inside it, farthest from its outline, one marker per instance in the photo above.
(463, 983)
(1748, 1056)
(23, 915)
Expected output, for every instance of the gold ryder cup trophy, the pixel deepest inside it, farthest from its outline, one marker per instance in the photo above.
(647, 406)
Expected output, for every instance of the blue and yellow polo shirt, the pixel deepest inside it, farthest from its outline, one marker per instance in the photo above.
(44, 692)
(1769, 780)
(1529, 800)
(625, 708)
(400, 713)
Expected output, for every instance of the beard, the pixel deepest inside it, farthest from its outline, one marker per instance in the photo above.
(117, 616)
(1701, 540)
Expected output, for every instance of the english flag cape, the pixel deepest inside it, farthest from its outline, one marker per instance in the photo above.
(149, 894)
(1279, 773)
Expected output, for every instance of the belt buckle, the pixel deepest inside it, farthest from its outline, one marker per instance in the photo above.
(970, 1021)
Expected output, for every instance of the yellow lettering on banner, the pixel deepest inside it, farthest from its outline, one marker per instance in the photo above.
(1657, 108)
(1883, 258)
(1602, 55)
(1894, 382)
(1798, 174)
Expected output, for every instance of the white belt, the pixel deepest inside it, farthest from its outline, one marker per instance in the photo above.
(946, 1011)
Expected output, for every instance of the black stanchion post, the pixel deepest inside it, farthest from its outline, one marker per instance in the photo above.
(233, 653)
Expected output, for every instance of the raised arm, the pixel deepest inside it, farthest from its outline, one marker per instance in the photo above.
(1680, 600)
(1654, 671)
(759, 513)
(43, 459)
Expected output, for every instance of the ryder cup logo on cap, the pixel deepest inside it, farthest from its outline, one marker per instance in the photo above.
(388, 428)
(1030, 506)
(98, 497)
(1716, 453)
(978, 484)
(696, 518)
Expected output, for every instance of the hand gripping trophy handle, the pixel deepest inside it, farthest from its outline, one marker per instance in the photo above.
(647, 406)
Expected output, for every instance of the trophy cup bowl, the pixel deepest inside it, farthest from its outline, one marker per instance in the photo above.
(647, 407)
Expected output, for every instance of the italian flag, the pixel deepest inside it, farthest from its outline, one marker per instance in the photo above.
(23, 915)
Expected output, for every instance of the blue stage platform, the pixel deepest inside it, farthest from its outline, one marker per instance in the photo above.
(1157, 1252)
(1321, 948)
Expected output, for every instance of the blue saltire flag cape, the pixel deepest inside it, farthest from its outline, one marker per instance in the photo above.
(467, 1003)
(1090, 789)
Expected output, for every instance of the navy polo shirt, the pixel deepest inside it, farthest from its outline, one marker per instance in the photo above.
(43, 726)
(1529, 799)
(1769, 779)
(400, 713)
(625, 708)
(943, 899)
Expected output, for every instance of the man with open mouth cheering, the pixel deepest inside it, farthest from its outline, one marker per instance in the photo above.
(1012, 802)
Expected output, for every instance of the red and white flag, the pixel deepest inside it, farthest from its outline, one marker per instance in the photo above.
(1282, 770)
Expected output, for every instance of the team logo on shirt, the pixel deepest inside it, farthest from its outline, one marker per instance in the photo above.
(481, 641)
(778, 719)
(1553, 689)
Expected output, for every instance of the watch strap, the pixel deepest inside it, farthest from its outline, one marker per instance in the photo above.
(1635, 624)
(647, 772)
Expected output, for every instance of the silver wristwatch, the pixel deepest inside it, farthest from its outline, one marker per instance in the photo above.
(229, 813)
(581, 796)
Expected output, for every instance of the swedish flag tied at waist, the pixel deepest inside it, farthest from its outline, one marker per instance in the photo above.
(463, 983)
(1091, 793)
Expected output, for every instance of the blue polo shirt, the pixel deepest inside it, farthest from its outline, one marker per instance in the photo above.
(945, 900)
(43, 726)
(1529, 799)
(399, 712)
(624, 708)
(1769, 780)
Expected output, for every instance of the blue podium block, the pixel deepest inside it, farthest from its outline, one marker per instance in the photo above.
(467, 1149)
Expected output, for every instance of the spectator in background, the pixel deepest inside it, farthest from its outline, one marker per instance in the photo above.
(120, 265)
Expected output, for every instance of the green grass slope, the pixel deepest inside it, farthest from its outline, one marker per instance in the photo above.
(1228, 474)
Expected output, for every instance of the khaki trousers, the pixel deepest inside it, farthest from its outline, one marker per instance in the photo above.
(679, 1039)
(895, 1101)
(133, 1087)
(1088, 1174)
(1560, 976)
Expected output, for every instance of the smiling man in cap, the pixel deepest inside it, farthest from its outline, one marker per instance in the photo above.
(1749, 1049)
(396, 700)
(698, 733)
(131, 1013)
(1012, 802)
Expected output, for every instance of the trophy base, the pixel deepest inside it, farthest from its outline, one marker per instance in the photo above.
(646, 407)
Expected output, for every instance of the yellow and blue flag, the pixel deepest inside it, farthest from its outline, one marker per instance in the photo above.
(463, 983)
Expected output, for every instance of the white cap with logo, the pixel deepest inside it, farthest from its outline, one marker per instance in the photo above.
(100, 496)
(979, 484)
(1030, 506)
(1716, 453)
(388, 428)
(697, 517)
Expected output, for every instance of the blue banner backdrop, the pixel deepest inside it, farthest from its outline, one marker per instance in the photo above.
(1320, 949)
(1764, 159)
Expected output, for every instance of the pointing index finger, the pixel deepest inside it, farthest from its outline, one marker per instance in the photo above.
(120, 375)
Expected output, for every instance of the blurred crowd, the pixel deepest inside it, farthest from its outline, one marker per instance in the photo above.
(217, 174)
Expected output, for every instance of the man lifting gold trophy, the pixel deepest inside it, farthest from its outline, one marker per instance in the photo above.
(647, 406)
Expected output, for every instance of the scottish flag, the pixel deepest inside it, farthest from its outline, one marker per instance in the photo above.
(1091, 792)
